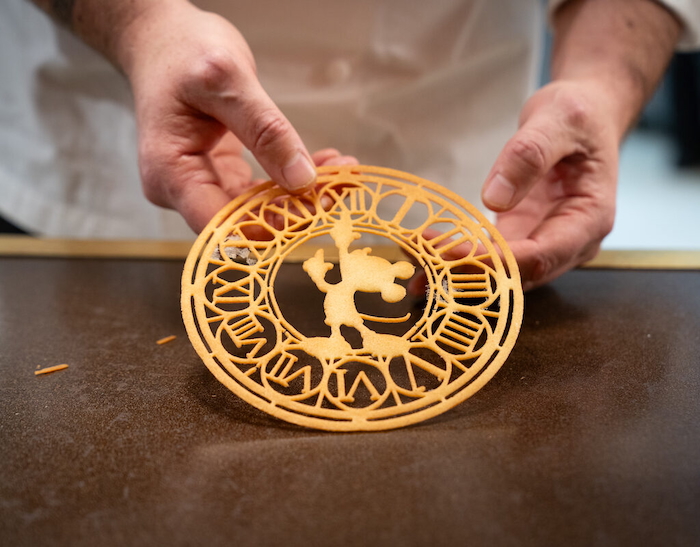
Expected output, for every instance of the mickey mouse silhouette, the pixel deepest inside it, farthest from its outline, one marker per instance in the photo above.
(359, 271)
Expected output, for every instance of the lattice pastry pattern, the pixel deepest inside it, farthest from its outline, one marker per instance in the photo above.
(373, 359)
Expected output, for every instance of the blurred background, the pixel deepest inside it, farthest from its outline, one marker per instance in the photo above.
(659, 192)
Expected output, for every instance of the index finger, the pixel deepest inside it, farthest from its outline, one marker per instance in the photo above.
(232, 95)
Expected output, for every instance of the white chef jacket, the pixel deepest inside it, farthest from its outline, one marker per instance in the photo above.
(432, 88)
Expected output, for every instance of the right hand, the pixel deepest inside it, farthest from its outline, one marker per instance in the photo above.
(198, 103)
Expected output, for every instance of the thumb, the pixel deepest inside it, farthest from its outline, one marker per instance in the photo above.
(539, 144)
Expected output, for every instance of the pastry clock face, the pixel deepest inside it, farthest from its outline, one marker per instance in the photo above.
(362, 366)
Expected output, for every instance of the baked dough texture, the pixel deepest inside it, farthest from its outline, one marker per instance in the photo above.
(361, 370)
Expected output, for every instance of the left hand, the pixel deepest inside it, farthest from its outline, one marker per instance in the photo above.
(554, 183)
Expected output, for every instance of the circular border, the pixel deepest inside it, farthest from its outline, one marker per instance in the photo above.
(358, 174)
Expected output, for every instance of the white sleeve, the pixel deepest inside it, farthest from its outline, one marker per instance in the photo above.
(687, 11)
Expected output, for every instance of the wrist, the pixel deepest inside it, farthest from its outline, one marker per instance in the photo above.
(619, 47)
(596, 96)
(107, 26)
(140, 28)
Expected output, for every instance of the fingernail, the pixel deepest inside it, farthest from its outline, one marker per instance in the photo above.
(499, 192)
(299, 172)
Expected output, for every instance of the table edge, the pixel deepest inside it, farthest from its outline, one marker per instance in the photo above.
(27, 246)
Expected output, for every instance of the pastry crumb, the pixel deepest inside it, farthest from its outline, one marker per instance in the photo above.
(48, 370)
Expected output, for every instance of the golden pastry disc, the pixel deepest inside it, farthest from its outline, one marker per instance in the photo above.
(362, 370)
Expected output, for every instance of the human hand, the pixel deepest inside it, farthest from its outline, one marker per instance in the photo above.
(554, 183)
(198, 103)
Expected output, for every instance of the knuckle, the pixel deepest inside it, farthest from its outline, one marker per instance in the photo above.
(575, 111)
(601, 222)
(530, 154)
(214, 71)
(590, 253)
(153, 191)
(268, 129)
(541, 268)
(152, 180)
(606, 226)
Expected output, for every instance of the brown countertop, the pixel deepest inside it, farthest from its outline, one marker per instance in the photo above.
(589, 434)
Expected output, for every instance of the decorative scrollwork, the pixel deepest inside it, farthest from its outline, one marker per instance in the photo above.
(438, 357)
